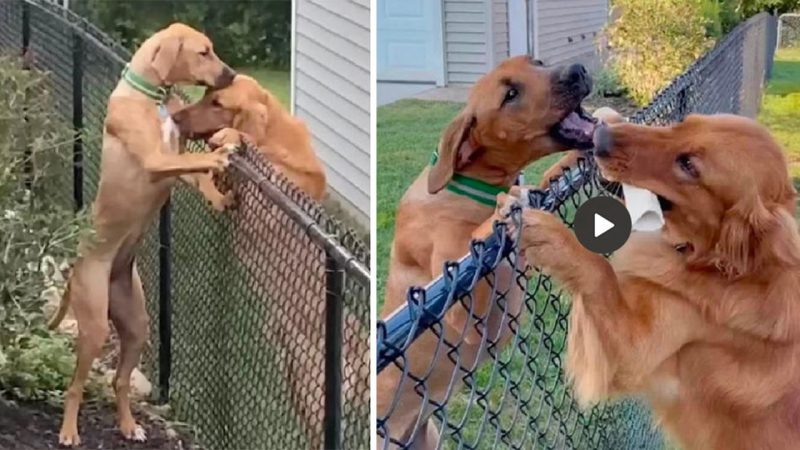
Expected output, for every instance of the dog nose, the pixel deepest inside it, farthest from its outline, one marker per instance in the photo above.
(578, 77)
(225, 78)
(602, 140)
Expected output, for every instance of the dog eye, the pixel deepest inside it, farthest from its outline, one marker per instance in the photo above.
(685, 163)
(216, 103)
(205, 52)
(511, 94)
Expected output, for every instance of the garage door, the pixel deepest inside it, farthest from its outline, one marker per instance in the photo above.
(410, 40)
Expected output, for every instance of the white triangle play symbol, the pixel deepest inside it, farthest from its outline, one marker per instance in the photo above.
(601, 225)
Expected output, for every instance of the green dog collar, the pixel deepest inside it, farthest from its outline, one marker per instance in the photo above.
(473, 188)
(136, 81)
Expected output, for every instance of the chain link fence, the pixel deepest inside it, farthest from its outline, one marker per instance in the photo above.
(789, 30)
(260, 316)
(503, 383)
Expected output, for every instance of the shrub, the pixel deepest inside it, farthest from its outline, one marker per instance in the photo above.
(654, 41)
(608, 84)
(36, 231)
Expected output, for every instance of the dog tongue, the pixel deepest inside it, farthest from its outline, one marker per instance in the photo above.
(577, 127)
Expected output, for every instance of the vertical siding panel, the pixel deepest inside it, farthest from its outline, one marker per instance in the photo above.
(500, 30)
(332, 92)
(466, 30)
(568, 29)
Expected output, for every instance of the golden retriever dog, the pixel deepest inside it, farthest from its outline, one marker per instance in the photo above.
(702, 317)
(516, 114)
(245, 107)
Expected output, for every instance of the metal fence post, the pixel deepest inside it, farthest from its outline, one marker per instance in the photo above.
(164, 302)
(77, 119)
(26, 42)
(334, 281)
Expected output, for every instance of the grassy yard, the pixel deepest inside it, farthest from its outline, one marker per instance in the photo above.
(780, 110)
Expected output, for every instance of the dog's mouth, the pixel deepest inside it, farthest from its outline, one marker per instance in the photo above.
(575, 130)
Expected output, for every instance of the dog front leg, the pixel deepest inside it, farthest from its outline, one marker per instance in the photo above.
(619, 334)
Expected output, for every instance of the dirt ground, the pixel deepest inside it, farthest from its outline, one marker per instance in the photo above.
(34, 426)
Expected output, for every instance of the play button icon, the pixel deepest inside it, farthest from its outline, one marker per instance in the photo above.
(602, 224)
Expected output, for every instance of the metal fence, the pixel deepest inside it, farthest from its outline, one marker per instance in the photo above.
(789, 30)
(513, 395)
(260, 316)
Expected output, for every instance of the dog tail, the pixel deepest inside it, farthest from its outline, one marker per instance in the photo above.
(55, 321)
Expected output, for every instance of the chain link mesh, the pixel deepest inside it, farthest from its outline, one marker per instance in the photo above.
(247, 287)
(504, 385)
(789, 30)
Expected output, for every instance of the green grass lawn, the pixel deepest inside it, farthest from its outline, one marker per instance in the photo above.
(780, 110)
(276, 81)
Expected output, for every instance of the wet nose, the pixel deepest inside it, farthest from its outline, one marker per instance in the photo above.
(225, 78)
(578, 77)
(602, 140)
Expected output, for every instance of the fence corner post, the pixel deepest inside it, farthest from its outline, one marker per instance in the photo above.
(77, 120)
(334, 295)
(164, 302)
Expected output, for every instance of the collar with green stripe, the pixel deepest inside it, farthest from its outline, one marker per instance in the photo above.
(473, 188)
(139, 83)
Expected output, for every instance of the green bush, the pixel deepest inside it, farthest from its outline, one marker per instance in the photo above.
(654, 41)
(37, 231)
(245, 33)
(608, 84)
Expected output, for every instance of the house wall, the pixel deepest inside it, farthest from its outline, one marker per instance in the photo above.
(331, 92)
(568, 30)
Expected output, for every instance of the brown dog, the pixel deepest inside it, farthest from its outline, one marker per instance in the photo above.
(702, 317)
(248, 108)
(140, 163)
(516, 114)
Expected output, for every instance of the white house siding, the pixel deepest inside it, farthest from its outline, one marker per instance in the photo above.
(332, 92)
(499, 30)
(475, 37)
(568, 29)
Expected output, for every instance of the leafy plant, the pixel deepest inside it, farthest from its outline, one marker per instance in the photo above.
(37, 231)
(654, 41)
(608, 84)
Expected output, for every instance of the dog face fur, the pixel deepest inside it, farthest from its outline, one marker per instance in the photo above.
(722, 181)
(181, 54)
(510, 119)
(243, 105)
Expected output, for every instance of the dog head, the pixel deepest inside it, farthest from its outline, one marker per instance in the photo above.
(722, 182)
(244, 105)
(517, 113)
(181, 54)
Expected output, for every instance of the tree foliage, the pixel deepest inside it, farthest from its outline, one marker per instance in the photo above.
(244, 32)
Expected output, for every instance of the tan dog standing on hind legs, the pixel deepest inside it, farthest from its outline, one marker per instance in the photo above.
(515, 115)
(140, 162)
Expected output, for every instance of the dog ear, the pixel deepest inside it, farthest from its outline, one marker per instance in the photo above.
(455, 150)
(744, 228)
(252, 121)
(165, 55)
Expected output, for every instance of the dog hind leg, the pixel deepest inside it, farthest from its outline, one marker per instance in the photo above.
(129, 315)
(90, 305)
